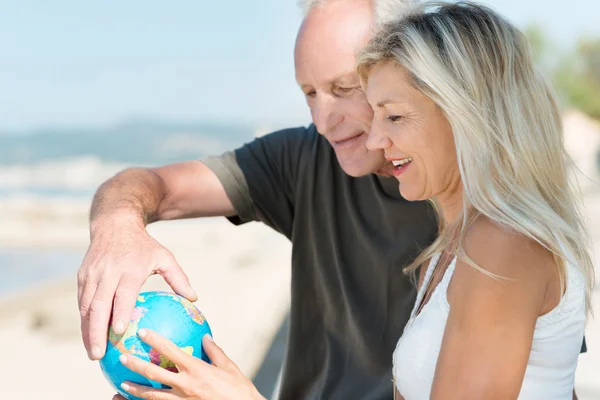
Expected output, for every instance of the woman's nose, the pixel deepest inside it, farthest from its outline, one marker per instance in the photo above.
(377, 139)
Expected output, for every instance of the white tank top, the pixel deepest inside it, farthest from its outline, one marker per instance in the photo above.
(557, 341)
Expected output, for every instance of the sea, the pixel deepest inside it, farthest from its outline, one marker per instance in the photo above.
(70, 163)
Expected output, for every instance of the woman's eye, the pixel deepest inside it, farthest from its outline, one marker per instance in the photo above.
(394, 118)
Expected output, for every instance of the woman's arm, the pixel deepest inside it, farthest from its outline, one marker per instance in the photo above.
(488, 336)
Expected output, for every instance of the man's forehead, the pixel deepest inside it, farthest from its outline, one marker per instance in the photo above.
(329, 39)
(326, 69)
(339, 24)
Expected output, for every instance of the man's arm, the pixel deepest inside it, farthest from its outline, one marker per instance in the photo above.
(185, 190)
(122, 254)
(257, 182)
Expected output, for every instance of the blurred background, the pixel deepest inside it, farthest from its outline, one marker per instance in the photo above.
(90, 88)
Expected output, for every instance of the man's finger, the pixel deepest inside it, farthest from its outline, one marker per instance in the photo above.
(124, 303)
(85, 304)
(81, 280)
(99, 316)
(216, 354)
(173, 274)
(85, 335)
(118, 397)
(149, 370)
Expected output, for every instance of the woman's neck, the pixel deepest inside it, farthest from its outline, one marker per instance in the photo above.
(450, 204)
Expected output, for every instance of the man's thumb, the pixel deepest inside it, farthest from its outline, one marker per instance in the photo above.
(175, 277)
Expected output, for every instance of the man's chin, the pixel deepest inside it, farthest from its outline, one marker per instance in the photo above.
(357, 170)
(386, 170)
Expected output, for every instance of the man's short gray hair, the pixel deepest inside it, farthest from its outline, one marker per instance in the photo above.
(385, 10)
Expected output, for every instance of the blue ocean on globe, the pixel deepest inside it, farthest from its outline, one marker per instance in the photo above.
(168, 314)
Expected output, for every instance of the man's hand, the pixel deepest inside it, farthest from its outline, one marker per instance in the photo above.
(121, 257)
(196, 380)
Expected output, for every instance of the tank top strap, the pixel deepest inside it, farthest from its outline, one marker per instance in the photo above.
(441, 291)
(426, 280)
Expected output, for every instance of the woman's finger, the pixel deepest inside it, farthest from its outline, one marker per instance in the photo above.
(149, 370)
(216, 354)
(148, 393)
(166, 348)
(118, 397)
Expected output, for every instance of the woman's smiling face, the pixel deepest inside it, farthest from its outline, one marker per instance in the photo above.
(413, 133)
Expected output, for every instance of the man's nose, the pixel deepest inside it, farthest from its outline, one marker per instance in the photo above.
(326, 115)
(377, 139)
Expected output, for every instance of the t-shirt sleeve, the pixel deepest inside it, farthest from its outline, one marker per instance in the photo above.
(227, 170)
(261, 177)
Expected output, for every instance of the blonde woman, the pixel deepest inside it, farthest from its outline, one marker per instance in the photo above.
(468, 123)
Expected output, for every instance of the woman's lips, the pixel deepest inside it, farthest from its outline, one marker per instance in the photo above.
(399, 169)
(400, 164)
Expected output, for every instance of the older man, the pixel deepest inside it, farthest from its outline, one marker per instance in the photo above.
(351, 231)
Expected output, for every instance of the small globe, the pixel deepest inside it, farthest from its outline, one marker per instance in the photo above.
(168, 314)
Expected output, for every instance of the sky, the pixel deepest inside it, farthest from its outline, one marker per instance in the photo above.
(68, 63)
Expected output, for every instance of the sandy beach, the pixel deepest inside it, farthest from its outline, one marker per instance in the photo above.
(241, 274)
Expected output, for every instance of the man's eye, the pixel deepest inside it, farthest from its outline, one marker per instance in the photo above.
(344, 90)
(394, 118)
(312, 93)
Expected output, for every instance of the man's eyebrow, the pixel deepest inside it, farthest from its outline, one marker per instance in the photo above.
(349, 79)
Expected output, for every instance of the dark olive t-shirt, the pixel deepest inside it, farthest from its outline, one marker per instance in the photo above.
(351, 237)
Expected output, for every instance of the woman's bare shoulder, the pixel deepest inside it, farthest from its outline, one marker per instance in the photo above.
(503, 251)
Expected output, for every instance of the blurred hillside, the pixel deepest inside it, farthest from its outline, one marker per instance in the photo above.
(574, 71)
(74, 161)
(140, 142)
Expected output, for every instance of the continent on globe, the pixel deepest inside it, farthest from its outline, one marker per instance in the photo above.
(164, 362)
(168, 314)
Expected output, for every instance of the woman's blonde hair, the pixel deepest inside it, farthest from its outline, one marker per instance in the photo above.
(478, 68)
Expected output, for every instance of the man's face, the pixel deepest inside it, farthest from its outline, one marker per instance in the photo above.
(325, 60)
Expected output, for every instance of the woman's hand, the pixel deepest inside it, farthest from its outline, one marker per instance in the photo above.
(196, 380)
